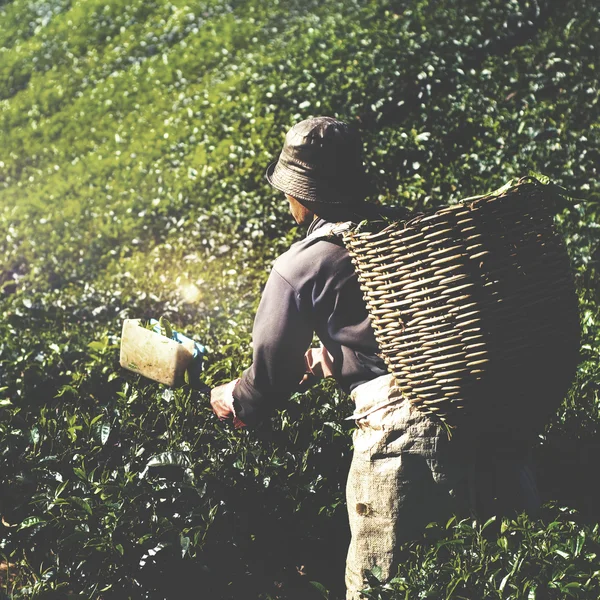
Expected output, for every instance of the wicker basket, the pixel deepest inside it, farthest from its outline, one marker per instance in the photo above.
(474, 302)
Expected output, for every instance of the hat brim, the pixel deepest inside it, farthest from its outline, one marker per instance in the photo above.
(309, 189)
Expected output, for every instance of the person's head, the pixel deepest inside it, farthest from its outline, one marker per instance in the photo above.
(321, 169)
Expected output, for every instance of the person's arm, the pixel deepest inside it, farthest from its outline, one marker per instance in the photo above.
(318, 364)
(282, 333)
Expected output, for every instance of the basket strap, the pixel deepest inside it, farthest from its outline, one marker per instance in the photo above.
(355, 416)
(330, 231)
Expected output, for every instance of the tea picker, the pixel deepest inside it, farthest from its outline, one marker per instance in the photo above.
(159, 352)
(464, 320)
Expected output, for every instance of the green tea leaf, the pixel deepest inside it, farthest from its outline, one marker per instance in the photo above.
(81, 503)
(184, 542)
(169, 459)
(30, 522)
(321, 588)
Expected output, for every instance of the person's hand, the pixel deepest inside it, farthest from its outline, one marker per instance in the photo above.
(307, 381)
(221, 401)
(318, 363)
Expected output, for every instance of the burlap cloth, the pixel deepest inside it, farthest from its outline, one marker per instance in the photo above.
(406, 473)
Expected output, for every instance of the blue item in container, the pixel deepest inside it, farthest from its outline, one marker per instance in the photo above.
(195, 368)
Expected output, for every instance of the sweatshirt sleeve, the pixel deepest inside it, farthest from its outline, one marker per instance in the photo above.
(282, 333)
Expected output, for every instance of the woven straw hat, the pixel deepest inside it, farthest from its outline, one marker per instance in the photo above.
(321, 166)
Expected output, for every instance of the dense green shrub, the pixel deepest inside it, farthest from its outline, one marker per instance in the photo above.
(134, 139)
(517, 559)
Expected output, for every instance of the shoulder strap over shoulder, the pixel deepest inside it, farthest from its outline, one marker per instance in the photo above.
(331, 232)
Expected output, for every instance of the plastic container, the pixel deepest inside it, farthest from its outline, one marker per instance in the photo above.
(155, 356)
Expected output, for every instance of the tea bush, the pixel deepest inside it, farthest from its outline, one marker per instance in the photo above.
(518, 559)
(134, 140)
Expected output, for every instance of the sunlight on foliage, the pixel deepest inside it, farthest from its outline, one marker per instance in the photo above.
(135, 138)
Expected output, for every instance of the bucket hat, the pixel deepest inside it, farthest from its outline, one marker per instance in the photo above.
(321, 164)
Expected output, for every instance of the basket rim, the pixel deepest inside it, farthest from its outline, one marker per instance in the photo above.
(351, 234)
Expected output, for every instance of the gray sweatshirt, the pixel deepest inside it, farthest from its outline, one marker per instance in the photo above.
(312, 288)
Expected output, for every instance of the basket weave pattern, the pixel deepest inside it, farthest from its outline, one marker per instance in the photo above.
(475, 300)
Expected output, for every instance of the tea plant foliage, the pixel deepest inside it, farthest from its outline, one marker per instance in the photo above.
(134, 137)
